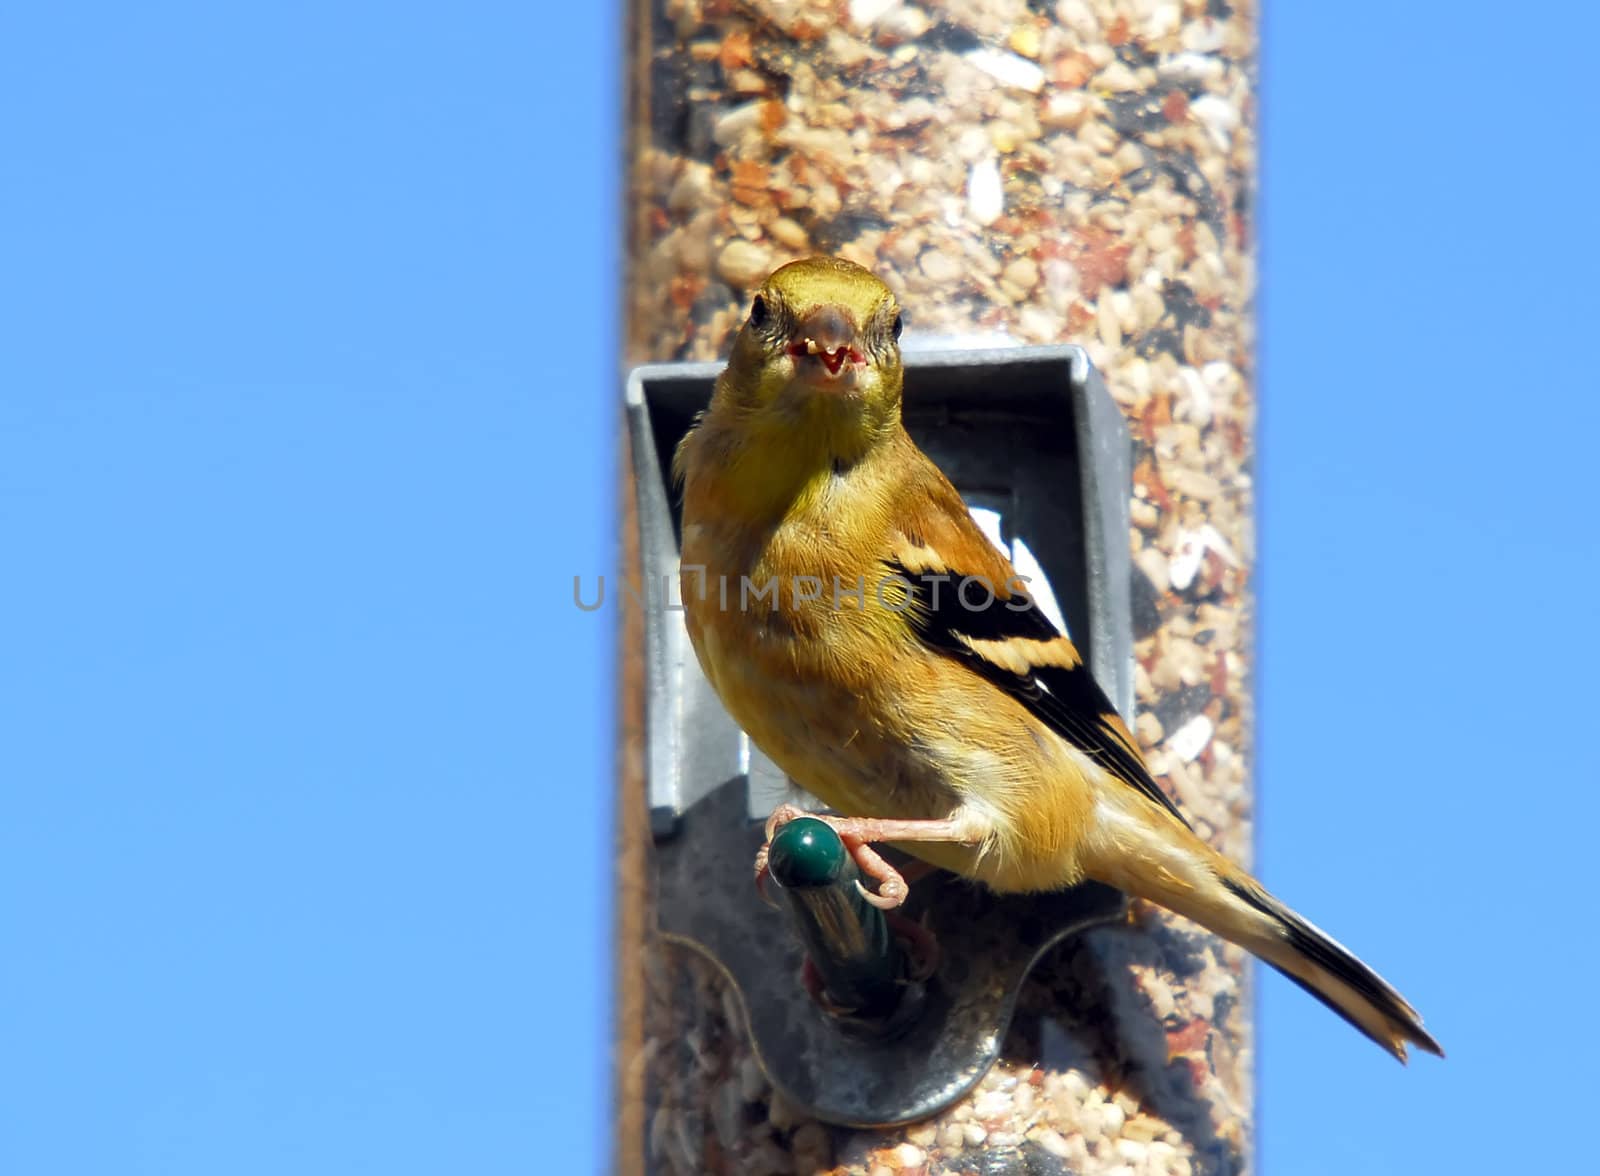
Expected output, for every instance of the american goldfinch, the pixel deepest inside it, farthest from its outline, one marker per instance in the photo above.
(866, 635)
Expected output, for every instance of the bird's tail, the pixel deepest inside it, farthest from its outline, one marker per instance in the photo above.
(1182, 873)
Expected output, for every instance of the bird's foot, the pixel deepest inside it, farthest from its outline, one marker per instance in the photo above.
(855, 833)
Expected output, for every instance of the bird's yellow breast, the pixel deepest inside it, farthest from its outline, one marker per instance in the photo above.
(792, 635)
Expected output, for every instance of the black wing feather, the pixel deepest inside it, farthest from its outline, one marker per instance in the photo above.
(1070, 701)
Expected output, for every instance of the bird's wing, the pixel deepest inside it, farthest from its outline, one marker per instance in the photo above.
(1005, 637)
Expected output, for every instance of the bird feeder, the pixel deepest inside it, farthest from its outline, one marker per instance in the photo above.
(1028, 175)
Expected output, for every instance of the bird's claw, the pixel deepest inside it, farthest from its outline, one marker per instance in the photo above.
(781, 816)
(891, 893)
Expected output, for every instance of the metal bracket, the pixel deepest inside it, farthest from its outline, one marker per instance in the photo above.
(1037, 447)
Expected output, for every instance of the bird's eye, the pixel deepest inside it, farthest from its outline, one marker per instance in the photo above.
(898, 326)
(758, 312)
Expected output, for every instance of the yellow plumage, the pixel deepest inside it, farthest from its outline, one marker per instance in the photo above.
(868, 637)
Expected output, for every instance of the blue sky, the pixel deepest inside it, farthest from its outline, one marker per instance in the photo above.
(307, 356)
(308, 393)
(1428, 625)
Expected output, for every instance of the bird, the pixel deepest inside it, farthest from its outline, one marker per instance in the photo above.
(863, 631)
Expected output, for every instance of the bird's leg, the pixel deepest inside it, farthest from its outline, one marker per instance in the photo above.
(858, 832)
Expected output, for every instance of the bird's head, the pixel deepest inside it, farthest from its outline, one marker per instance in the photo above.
(821, 345)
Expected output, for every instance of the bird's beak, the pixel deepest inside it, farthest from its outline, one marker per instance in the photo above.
(824, 345)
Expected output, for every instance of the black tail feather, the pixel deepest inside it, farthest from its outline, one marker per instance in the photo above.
(1339, 962)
